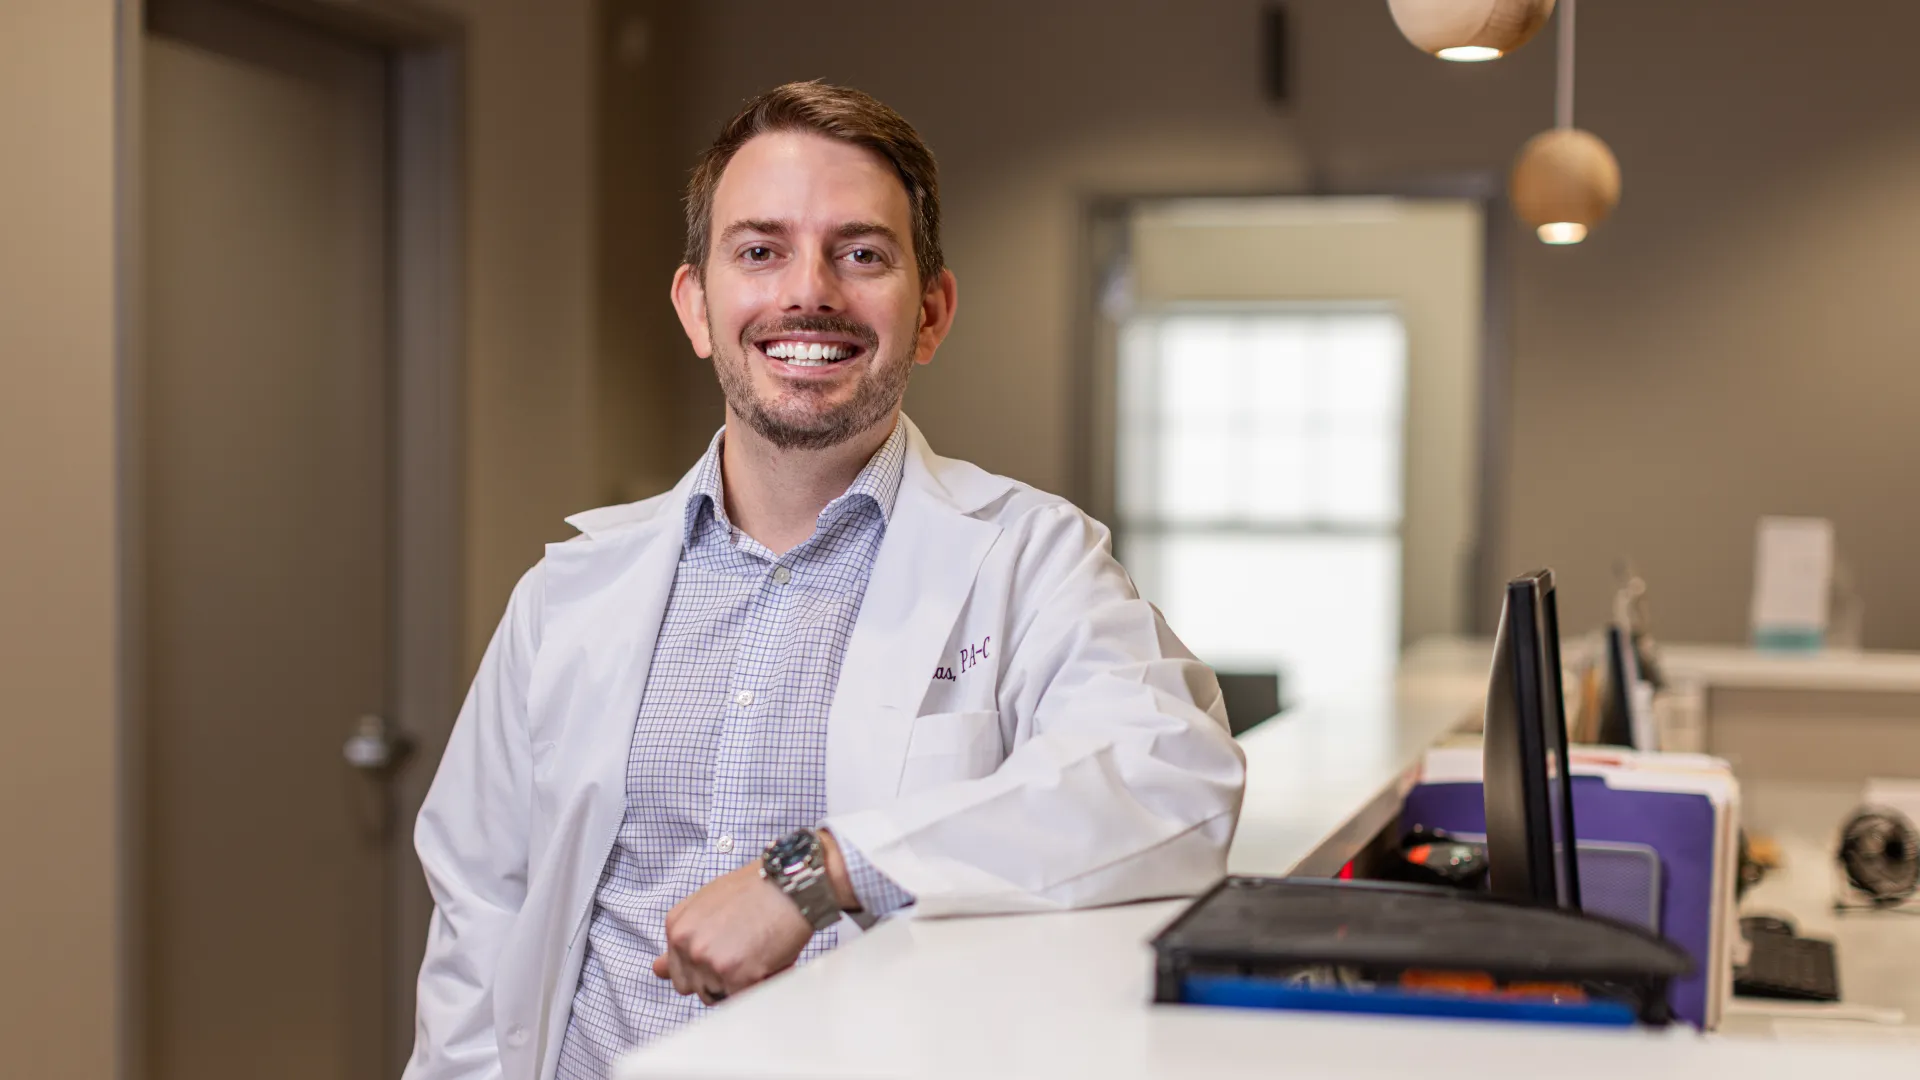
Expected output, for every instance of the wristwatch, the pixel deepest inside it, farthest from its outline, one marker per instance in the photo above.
(797, 863)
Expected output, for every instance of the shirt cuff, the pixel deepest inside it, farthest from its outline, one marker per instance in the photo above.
(879, 895)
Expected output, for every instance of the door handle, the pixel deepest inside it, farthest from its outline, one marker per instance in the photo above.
(376, 746)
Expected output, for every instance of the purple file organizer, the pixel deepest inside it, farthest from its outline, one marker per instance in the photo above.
(1677, 825)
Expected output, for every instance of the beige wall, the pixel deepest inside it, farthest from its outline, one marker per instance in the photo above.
(638, 186)
(532, 352)
(1741, 340)
(59, 1004)
(532, 356)
(1736, 342)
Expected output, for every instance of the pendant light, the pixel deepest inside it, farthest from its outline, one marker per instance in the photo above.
(1469, 30)
(1565, 180)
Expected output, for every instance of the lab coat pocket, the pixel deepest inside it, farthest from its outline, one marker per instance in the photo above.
(951, 746)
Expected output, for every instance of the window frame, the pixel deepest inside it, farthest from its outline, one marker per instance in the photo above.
(1127, 523)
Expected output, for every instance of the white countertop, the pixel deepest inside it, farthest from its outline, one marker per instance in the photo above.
(1324, 778)
(1735, 666)
(1875, 950)
(1067, 995)
(1728, 666)
(1054, 996)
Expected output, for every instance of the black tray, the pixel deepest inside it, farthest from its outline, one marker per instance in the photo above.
(1255, 926)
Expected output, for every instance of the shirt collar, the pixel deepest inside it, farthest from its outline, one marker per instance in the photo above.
(879, 481)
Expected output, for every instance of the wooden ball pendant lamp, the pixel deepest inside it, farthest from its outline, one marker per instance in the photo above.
(1469, 30)
(1565, 180)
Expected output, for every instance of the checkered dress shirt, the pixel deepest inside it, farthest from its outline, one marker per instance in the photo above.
(729, 750)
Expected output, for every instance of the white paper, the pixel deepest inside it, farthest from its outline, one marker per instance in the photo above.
(1792, 574)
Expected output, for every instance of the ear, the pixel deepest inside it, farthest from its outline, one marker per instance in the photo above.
(938, 303)
(689, 295)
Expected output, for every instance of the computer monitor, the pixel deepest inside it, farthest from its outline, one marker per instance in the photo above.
(1529, 799)
(1617, 726)
(1251, 697)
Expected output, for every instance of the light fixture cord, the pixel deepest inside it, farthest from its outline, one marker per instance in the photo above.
(1563, 97)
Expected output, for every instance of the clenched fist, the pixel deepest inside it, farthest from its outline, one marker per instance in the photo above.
(738, 929)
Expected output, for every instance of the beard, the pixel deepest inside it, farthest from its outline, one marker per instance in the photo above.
(799, 418)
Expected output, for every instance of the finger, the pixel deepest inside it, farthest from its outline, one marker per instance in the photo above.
(681, 972)
(714, 977)
(661, 969)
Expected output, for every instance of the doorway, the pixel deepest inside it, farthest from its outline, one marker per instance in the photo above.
(1260, 458)
(1289, 419)
(292, 463)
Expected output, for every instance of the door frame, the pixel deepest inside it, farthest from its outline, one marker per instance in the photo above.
(426, 47)
(1102, 247)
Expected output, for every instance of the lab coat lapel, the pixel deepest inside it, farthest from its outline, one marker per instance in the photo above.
(921, 580)
(606, 595)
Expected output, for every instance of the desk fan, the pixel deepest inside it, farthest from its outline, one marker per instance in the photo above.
(1880, 855)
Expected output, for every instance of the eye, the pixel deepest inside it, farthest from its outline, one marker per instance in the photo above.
(758, 253)
(865, 257)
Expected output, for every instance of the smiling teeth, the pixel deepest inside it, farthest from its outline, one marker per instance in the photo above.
(808, 354)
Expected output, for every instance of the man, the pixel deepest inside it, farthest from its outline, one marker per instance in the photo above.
(828, 678)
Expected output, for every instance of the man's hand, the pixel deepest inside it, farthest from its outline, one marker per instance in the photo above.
(738, 929)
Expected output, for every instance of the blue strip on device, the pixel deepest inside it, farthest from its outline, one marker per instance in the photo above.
(1237, 991)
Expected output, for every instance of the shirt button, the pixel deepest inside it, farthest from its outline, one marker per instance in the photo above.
(724, 845)
(516, 1036)
(743, 699)
(781, 575)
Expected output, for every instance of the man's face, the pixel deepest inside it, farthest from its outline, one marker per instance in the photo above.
(810, 305)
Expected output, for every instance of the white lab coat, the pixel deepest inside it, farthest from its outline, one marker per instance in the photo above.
(1014, 730)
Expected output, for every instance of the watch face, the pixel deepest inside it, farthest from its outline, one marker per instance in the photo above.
(791, 851)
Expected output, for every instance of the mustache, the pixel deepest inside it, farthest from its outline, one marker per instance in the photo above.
(810, 324)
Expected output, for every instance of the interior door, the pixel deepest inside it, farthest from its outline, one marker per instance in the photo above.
(268, 540)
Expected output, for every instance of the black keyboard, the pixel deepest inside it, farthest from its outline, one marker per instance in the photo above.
(1784, 966)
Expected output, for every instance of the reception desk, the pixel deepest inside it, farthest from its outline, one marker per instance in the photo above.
(1829, 717)
(1068, 995)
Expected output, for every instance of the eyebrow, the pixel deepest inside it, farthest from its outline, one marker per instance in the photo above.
(851, 230)
(763, 226)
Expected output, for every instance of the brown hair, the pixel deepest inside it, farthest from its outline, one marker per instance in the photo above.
(838, 112)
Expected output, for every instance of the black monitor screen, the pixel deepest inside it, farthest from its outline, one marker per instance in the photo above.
(1559, 769)
(1529, 801)
(1616, 700)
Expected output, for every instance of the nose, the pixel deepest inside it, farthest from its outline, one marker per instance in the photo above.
(810, 287)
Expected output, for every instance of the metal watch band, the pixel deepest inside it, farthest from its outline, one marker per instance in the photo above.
(797, 863)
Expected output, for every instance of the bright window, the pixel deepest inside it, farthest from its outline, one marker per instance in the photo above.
(1260, 492)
